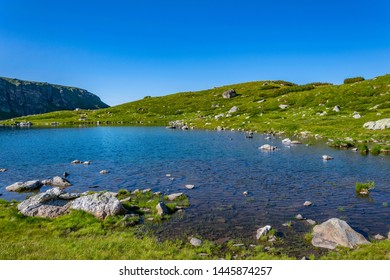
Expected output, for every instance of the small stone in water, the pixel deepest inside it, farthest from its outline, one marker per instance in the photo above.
(104, 172)
(299, 217)
(307, 203)
(76, 161)
(245, 193)
(190, 187)
(379, 237)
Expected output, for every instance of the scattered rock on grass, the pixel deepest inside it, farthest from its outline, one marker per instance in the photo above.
(195, 242)
(229, 93)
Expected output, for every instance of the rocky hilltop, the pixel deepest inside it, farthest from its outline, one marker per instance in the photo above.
(21, 98)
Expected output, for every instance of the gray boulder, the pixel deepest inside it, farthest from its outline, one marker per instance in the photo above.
(335, 232)
(161, 209)
(60, 182)
(100, 205)
(263, 231)
(229, 93)
(380, 124)
(46, 205)
(24, 186)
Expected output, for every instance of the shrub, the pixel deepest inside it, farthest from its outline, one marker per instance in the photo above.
(363, 188)
(375, 150)
(363, 149)
(353, 80)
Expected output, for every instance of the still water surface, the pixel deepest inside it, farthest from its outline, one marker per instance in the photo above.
(222, 165)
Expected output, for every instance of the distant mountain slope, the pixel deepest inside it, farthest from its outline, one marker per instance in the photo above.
(21, 98)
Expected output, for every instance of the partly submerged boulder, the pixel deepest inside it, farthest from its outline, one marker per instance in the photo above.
(335, 232)
(24, 186)
(100, 205)
(60, 182)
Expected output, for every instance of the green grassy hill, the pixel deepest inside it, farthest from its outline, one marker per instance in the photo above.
(310, 110)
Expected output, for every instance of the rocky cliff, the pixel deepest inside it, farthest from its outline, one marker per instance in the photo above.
(21, 98)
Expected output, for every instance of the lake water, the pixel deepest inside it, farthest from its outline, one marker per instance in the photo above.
(222, 165)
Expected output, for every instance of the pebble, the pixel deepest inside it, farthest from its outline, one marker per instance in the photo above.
(299, 217)
(195, 242)
(379, 237)
(307, 203)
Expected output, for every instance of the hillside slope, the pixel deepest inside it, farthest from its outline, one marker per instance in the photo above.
(20, 98)
(309, 109)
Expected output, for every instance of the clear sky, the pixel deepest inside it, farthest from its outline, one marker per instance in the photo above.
(125, 50)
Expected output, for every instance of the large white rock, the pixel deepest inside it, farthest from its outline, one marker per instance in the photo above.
(100, 205)
(335, 232)
(380, 124)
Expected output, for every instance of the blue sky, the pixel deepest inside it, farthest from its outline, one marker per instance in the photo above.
(125, 50)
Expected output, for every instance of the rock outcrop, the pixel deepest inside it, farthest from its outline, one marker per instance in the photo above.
(21, 98)
(380, 124)
(335, 232)
(46, 205)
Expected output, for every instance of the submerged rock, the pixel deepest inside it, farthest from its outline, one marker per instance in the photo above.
(24, 186)
(3, 169)
(263, 231)
(335, 232)
(100, 205)
(104, 172)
